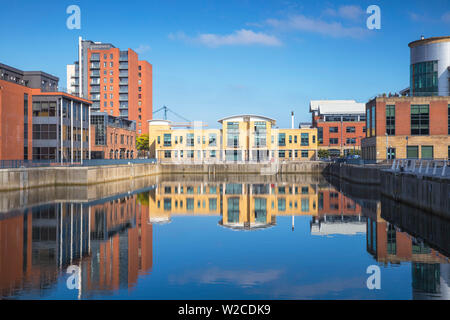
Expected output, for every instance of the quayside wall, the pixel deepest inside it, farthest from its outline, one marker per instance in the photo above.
(27, 178)
(429, 193)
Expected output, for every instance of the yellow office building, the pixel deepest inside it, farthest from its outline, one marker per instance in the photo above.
(246, 138)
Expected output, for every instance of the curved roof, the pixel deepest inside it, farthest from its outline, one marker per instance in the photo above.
(159, 122)
(422, 42)
(251, 116)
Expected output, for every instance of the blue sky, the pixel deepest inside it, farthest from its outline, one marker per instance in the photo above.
(217, 58)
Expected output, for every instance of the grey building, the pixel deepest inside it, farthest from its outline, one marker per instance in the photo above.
(430, 67)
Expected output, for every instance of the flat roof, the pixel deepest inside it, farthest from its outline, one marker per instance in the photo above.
(314, 104)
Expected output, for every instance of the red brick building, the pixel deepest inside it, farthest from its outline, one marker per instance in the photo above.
(112, 137)
(39, 123)
(340, 123)
(407, 127)
(116, 81)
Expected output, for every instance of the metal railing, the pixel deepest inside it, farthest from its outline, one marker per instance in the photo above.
(421, 166)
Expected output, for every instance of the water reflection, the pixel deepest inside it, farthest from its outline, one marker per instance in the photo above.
(111, 238)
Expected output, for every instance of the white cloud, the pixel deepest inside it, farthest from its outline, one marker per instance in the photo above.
(239, 37)
(142, 48)
(350, 12)
(302, 23)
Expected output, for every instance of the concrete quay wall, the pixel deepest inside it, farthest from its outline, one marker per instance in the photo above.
(428, 193)
(27, 178)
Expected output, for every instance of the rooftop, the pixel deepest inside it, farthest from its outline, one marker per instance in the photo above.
(338, 107)
(314, 104)
(251, 117)
(424, 41)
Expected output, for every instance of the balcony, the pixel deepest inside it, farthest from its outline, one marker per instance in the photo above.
(123, 105)
(123, 65)
(94, 65)
(95, 57)
(123, 56)
(123, 81)
(94, 97)
(95, 89)
(95, 81)
(95, 73)
(123, 89)
(123, 97)
(123, 73)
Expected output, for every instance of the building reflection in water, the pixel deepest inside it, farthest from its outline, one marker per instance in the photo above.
(110, 240)
(241, 206)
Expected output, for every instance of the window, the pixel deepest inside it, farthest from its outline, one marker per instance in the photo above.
(260, 134)
(212, 139)
(44, 153)
(305, 205)
(167, 154)
(427, 152)
(290, 139)
(212, 204)
(233, 134)
(320, 135)
(281, 154)
(412, 152)
(334, 141)
(304, 153)
(295, 139)
(420, 118)
(44, 131)
(212, 154)
(351, 141)
(167, 139)
(159, 139)
(281, 204)
(390, 120)
(424, 78)
(189, 139)
(350, 129)
(305, 139)
(314, 139)
(282, 139)
(334, 129)
(448, 119)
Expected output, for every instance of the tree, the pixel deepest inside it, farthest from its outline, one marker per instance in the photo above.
(142, 142)
(323, 153)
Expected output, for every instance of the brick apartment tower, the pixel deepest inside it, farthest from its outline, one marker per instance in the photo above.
(116, 81)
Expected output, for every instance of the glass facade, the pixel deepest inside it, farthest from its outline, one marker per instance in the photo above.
(424, 78)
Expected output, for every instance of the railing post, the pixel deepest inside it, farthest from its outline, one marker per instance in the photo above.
(393, 165)
(420, 166)
(435, 168)
(428, 167)
(443, 168)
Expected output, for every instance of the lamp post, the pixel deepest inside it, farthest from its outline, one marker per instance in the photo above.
(387, 148)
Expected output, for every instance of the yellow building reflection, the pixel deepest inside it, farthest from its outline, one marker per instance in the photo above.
(241, 205)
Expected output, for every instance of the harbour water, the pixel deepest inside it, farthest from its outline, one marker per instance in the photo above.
(221, 237)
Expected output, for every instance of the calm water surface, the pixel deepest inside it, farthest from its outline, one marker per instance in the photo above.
(200, 237)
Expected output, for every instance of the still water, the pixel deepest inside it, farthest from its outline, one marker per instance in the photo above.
(233, 237)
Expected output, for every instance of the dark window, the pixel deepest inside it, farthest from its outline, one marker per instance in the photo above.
(334, 129)
(390, 120)
(420, 120)
(189, 140)
(334, 140)
(282, 139)
(350, 129)
(304, 153)
(167, 139)
(304, 139)
(320, 135)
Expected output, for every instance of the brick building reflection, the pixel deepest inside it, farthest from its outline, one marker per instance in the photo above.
(242, 206)
(389, 245)
(337, 214)
(110, 240)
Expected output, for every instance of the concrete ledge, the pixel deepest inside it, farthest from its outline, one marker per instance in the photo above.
(27, 178)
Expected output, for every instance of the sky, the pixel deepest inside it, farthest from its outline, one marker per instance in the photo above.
(213, 59)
